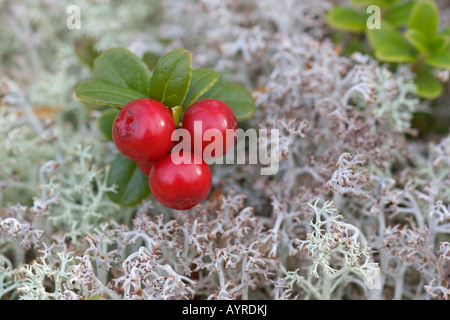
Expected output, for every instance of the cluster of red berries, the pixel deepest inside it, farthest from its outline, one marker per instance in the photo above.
(142, 131)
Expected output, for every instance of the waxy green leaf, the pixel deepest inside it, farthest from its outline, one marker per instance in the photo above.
(424, 16)
(419, 40)
(176, 114)
(347, 19)
(105, 122)
(123, 68)
(427, 85)
(202, 80)
(386, 34)
(236, 96)
(399, 15)
(440, 44)
(441, 60)
(388, 44)
(106, 93)
(150, 59)
(131, 182)
(171, 78)
(394, 53)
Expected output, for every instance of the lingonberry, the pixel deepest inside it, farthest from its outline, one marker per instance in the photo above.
(180, 186)
(210, 114)
(145, 167)
(142, 130)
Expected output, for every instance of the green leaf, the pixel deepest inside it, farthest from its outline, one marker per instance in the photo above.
(131, 182)
(393, 53)
(171, 78)
(399, 15)
(424, 17)
(419, 40)
(347, 19)
(441, 60)
(427, 85)
(236, 96)
(150, 59)
(388, 44)
(106, 93)
(121, 67)
(386, 34)
(176, 114)
(202, 80)
(105, 122)
(440, 44)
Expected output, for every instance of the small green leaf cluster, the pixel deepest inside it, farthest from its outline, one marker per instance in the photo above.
(407, 33)
(121, 77)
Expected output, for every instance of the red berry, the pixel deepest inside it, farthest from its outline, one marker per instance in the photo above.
(142, 130)
(180, 186)
(145, 167)
(213, 114)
